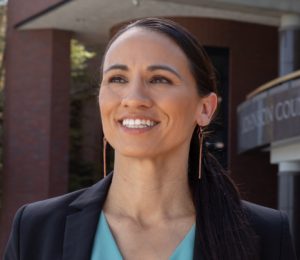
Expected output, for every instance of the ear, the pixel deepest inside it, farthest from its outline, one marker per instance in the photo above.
(206, 109)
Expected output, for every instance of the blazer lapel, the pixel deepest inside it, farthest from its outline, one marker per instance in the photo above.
(82, 224)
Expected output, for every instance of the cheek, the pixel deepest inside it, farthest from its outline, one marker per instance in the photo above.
(108, 102)
(180, 106)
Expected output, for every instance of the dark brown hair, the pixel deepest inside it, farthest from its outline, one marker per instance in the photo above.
(222, 229)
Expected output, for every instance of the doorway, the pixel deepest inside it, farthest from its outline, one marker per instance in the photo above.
(218, 140)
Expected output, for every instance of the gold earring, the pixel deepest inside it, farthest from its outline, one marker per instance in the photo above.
(104, 155)
(200, 155)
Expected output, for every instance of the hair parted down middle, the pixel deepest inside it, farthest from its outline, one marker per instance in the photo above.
(222, 229)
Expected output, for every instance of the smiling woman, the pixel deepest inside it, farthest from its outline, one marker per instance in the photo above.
(168, 197)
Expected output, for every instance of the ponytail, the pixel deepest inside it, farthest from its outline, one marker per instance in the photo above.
(222, 230)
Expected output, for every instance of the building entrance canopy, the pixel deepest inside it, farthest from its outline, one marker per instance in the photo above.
(270, 116)
(91, 20)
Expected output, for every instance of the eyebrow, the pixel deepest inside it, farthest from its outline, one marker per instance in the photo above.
(116, 67)
(161, 67)
(150, 68)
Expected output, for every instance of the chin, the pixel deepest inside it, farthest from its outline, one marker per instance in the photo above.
(136, 152)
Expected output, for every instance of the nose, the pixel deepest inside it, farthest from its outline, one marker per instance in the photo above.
(137, 96)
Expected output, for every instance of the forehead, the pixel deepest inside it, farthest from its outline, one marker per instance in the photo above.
(139, 46)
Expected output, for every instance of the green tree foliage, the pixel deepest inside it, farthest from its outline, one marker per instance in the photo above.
(79, 57)
(81, 173)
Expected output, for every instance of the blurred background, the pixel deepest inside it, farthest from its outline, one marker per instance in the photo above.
(50, 126)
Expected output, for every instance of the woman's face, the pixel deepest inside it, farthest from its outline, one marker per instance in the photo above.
(148, 98)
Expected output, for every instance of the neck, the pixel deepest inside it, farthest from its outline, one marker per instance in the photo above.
(148, 190)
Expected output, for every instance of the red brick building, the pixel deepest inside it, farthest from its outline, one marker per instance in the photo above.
(241, 38)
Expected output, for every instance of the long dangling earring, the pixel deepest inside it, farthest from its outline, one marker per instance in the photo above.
(104, 155)
(200, 155)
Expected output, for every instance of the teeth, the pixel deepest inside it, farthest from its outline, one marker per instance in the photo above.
(138, 123)
(131, 122)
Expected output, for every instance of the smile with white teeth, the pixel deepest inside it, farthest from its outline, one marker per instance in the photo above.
(138, 123)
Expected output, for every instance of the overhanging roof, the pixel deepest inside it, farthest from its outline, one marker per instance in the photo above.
(90, 20)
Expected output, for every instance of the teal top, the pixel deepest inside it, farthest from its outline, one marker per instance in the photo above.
(105, 247)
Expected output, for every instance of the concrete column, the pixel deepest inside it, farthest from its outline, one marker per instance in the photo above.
(289, 44)
(36, 119)
(289, 196)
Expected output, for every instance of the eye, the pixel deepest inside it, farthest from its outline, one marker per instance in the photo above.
(160, 79)
(117, 80)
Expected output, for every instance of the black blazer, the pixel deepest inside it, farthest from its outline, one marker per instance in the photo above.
(63, 228)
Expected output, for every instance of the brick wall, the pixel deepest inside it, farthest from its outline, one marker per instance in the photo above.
(36, 114)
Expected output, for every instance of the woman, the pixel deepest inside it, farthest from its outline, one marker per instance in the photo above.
(158, 91)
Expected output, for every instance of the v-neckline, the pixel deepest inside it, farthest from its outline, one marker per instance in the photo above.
(110, 239)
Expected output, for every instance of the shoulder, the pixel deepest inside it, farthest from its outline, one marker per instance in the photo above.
(42, 225)
(273, 230)
(263, 219)
(54, 208)
(36, 221)
(58, 208)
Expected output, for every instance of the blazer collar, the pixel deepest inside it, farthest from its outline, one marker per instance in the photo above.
(81, 225)
(95, 193)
